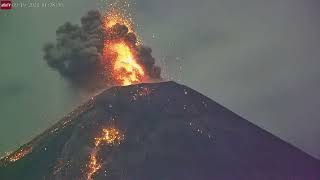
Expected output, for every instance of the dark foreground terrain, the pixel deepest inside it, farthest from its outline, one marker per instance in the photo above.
(161, 131)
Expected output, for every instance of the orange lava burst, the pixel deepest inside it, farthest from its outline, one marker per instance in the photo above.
(126, 70)
(122, 55)
(110, 136)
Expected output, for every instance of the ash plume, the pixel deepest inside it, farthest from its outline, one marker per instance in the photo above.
(77, 53)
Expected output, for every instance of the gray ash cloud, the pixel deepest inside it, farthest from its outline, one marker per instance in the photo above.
(77, 53)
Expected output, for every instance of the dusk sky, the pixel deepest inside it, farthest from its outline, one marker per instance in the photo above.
(258, 58)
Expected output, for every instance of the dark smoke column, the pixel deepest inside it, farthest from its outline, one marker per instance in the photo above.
(77, 53)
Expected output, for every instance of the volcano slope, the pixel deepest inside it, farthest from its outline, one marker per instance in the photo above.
(160, 131)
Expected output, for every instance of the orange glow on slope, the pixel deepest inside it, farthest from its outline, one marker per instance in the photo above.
(125, 68)
(110, 136)
(141, 92)
(19, 154)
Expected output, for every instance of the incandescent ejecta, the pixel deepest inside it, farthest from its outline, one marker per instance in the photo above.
(102, 52)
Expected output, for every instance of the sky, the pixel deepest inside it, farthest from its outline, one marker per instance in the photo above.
(259, 58)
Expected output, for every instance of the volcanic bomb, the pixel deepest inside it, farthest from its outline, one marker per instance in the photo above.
(156, 131)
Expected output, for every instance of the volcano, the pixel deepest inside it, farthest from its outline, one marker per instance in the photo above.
(157, 131)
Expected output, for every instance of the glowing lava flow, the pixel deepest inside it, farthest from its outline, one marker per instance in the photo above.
(110, 136)
(93, 165)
